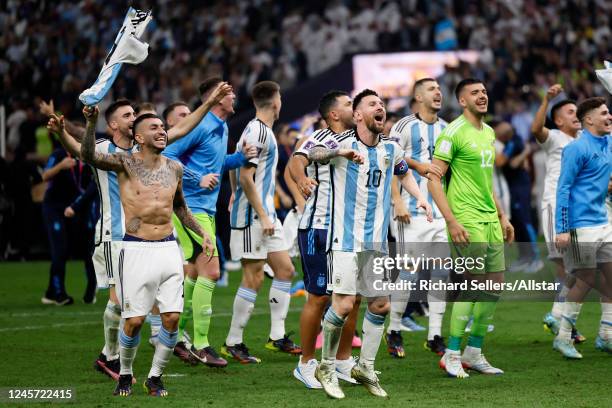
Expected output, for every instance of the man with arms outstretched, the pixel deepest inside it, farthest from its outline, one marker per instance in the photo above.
(150, 264)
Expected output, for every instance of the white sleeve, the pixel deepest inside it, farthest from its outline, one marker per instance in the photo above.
(256, 135)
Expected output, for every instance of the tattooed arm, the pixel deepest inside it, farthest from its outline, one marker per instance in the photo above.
(184, 214)
(321, 154)
(102, 161)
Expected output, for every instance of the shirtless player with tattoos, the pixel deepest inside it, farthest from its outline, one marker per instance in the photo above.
(150, 264)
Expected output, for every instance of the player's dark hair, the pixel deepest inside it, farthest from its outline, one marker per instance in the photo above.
(208, 85)
(559, 105)
(263, 92)
(361, 95)
(588, 105)
(144, 106)
(112, 108)
(420, 83)
(142, 118)
(465, 82)
(170, 108)
(328, 101)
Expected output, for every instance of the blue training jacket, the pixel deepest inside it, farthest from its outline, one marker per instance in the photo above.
(586, 165)
(203, 151)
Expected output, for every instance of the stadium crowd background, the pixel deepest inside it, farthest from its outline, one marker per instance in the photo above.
(53, 50)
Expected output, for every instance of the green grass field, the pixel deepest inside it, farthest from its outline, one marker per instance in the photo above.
(49, 346)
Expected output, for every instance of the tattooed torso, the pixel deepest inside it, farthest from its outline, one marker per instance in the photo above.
(147, 195)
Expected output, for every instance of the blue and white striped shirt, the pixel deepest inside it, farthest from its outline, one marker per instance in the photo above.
(361, 194)
(417, 138)
(257, 134)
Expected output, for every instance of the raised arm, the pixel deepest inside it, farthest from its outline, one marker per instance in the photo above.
(190, 121)
(57, 125)
(186, 217)
(102, 161)
(76, 131)
(537, 126)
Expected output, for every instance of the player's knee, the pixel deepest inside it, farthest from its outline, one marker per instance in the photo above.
(170, 321)
(213, 274)
(133, 324)
(379, 307)
(285, 272)
(344, 305)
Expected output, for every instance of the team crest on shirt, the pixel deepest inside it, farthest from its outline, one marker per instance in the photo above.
(387, 160)
(331, 144)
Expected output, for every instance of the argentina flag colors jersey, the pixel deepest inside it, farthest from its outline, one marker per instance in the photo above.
(361, 194)
(317, 208)
(111, 224)
(262, 137)
(417, 138)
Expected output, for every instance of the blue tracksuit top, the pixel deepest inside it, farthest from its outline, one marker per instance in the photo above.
(203, 151)
(586, 165)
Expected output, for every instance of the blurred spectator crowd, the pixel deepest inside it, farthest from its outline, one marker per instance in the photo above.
(53, 50)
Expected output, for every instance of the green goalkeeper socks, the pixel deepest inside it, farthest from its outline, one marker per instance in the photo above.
(202, 310)
(483, 314)
(187, 314)
(459, 318)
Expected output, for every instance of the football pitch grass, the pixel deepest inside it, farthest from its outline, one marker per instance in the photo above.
(55, 347)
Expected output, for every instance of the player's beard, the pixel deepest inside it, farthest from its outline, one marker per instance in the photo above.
(373, 127)
(474, 110)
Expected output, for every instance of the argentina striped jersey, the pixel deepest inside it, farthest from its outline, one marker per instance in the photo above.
(361, 194)
(257, 134)
(317, 208)
(111, 225)
(417, 138)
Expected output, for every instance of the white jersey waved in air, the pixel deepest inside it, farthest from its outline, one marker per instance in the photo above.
(553, 146)
(317, 210)
(257, 134)
(417, 138)
(111, 225)
(361, 194)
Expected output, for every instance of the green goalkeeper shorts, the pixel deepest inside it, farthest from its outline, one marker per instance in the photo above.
(189, 241)
(484, 253)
